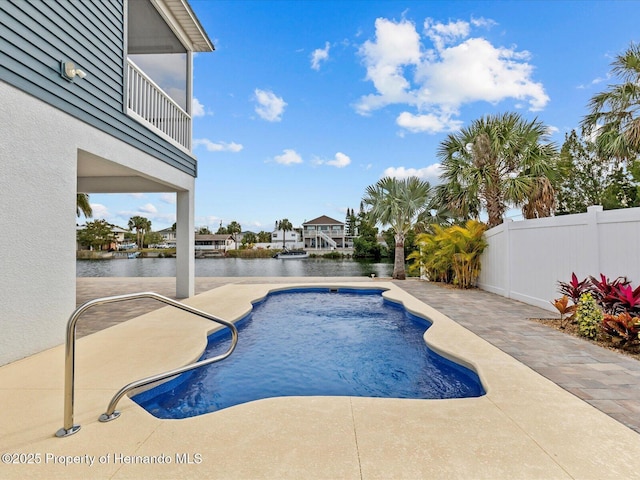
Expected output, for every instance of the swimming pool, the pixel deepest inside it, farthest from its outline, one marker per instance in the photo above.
(317, 341)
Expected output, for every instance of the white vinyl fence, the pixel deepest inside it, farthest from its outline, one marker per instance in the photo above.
(526, 259)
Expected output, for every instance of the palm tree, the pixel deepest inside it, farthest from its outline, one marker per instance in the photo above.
(615, 113)
(221, 230)
(264, 237)
(233, 229)
(141, 225)
(399, 204)
(498, 161)
(83, 207)
(286, 226)
(541, 201)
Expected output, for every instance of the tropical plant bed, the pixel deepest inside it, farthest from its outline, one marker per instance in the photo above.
(602, 340)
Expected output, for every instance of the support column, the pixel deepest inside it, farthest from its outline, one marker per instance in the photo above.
(507, 255)
(592, 238)
(185, 240)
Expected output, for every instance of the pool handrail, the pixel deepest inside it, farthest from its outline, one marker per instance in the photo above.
(70, 346)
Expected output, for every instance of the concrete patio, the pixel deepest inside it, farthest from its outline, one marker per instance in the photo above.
(526, 426)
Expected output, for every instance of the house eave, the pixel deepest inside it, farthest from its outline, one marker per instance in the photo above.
(185, 24)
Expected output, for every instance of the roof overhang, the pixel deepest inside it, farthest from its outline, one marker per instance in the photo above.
(185, 24)
(99, 175)
(164, 26)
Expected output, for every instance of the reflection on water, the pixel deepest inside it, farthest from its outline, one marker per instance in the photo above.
(233, 267)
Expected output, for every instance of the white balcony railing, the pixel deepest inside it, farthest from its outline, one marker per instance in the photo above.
(148, 103)
(329, 233)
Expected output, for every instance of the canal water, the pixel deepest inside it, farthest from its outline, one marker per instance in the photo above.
(234, 267)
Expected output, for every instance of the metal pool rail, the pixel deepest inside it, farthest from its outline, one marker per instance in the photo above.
(69, 428)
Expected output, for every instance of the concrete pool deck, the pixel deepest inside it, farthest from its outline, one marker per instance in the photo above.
(525, 427)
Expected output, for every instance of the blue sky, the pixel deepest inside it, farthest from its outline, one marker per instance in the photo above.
(306, 103)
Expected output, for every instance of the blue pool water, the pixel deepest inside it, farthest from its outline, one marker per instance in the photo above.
(316, 342)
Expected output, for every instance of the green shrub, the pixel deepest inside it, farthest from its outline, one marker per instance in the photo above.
(450, 254)
(333, 255)
(588, 316)
(251, 253)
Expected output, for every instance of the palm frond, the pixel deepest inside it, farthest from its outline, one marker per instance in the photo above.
(490, 163)
(615, 112)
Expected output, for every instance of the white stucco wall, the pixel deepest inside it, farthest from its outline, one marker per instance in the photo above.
(37, 189)
(39, 148)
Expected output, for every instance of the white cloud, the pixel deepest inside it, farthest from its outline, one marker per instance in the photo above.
(483, 22)
(431, 123)
(159, 218)
(149, 208)
(475, 71)
(100, 211)
(397, 45)
(162, 219)
(289, 157)
(340, 160)
(270, 107)
(319, 55)
(169, 198)
(430, 173)
(211, 221)
(595, 81)
(197, 109)
(459, 69)
(254, 224)
(217, 146)
(441, 34)
(136, 195)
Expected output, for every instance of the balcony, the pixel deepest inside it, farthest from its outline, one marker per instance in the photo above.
(150, 105)
(161, 38)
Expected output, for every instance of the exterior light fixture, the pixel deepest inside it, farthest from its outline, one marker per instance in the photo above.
(69, 71)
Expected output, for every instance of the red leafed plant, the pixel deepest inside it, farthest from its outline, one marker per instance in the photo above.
(574, 288)
(605, 291)
(562, 305)
(626, 299)
(623, 326)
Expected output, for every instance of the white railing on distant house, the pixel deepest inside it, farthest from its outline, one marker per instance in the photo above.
(318, 235)
(327, 238)
(149, 104)
(328, 233)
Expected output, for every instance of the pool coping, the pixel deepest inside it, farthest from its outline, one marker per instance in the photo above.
(524, 427)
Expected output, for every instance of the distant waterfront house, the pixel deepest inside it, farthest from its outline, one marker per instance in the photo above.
(324, 233)
(83, 110)
(168, 236)
(291, 238)
(118, 237)
(217, 242)
(118, 234)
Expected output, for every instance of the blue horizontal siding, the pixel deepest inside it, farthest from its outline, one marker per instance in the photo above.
(37, 35)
